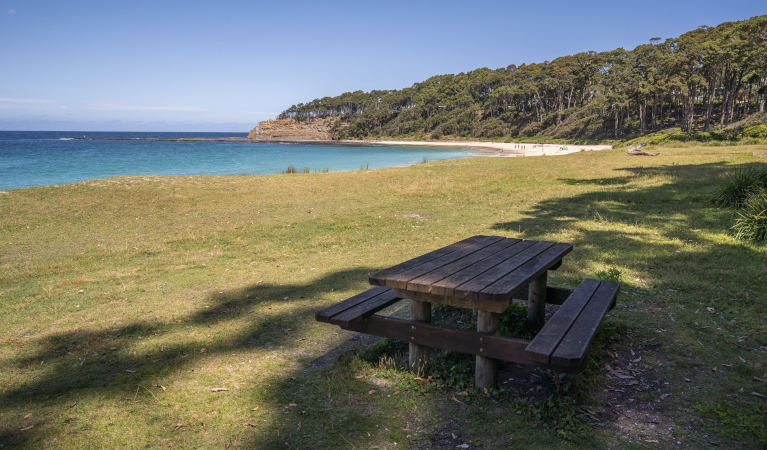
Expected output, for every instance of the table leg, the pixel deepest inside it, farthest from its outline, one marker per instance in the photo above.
(419, 354)
(486, 369)
(536, 301)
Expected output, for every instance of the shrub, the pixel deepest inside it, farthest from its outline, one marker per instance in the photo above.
(736, 186)
(757, 131)
(751, 224)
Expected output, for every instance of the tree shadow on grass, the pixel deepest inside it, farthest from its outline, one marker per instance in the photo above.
(80, 368)
(675, 244)
(666, 238)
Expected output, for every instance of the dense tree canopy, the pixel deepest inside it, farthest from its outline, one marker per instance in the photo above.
(708, 77)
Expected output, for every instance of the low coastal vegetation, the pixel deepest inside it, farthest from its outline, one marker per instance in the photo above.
(746, 190)
(702, 83)
(170, 311)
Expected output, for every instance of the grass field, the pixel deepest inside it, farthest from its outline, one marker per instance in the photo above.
(127, 301)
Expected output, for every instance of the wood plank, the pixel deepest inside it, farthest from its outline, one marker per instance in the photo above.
(419, 355)
(546, 341)
(486, 369)
(324, 315)
(536, 301)
(379, 278)
(447, 285)
(471, 342)
(524, 274)
(472, 288)
(497, 307)
(400, 280)
(572, 350)
(365, 309)
(554, 296)
(424, 282)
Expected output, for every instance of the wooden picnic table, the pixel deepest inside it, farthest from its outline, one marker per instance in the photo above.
(483, 273)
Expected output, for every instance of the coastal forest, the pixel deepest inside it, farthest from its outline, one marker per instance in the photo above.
(710, 82)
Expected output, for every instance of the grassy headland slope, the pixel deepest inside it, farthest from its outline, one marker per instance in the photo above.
(127, 300)
(703, 80)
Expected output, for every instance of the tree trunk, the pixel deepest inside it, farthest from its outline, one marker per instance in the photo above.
(710, 101)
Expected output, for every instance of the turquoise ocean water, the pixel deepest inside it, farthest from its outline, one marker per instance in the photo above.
(40, 158)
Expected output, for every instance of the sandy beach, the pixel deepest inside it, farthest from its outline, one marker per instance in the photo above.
(502, 149)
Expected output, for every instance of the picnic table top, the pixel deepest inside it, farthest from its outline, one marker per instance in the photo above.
(480, 268)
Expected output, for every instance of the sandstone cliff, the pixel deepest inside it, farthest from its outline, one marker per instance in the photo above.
(289, 129)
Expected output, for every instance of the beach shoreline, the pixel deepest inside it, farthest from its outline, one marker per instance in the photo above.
(503, 149)
(498, 149)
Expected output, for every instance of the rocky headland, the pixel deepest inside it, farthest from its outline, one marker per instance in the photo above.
(293, 130)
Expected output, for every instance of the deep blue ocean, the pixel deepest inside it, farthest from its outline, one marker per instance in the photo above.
(41, 158)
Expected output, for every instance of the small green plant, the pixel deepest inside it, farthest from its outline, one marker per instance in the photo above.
(514, 323)
(611, 274)
(751, 224)
(736, 186)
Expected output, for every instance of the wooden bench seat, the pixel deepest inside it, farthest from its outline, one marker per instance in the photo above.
(565, 339)
(358, 307)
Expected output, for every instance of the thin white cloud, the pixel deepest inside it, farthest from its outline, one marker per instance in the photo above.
(11, 11)
(23, 100)
(112, 107)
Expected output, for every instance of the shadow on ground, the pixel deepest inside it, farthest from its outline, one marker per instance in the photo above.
(109, 371)
(676, 207)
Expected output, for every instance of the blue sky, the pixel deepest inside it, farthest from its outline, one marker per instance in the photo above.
(224, 66)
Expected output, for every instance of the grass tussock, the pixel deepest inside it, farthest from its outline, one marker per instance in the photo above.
(735, 187)
(751, 223)
(128, 301)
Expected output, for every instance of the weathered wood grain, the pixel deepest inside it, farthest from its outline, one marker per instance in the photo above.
(471, 342)
(507, 285)
(547, 340)
(418, 356)
(447, 285)
(485, 368)
(324, 315)
(536, 301)
(379, 278)
(424, 282)
(472, 288)
(497, 307)
(365, 309)
(572, 350)
(400, 280)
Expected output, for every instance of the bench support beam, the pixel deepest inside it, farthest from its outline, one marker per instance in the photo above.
(419, 354)
(472, 342)
(536, 301)
(486, 369)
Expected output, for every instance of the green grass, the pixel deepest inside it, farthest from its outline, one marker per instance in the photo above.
(111, 288)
